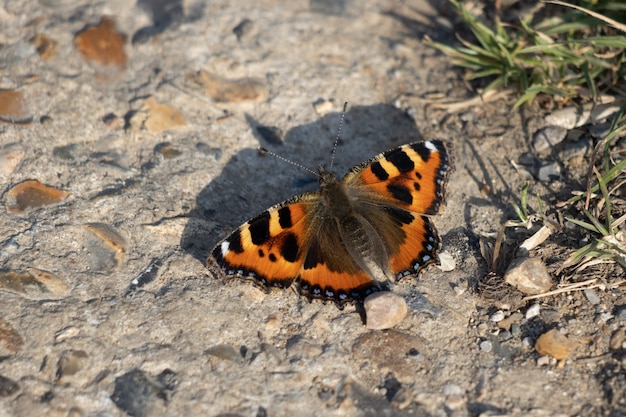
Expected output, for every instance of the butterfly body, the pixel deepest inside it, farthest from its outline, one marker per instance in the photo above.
(341, 243)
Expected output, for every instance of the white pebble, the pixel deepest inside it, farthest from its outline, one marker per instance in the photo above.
(533, 311)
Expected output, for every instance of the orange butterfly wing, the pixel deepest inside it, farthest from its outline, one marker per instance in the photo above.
(269, 248)
(399, 187)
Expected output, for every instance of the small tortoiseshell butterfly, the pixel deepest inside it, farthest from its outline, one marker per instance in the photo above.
(340, 243)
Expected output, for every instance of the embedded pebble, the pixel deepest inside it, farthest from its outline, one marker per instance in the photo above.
(13, 107)
(516, 331)
(497, 316)
(540, 169)
(236, 90)
(66, 333)
(618, 339)
(384, 310)
(70, 363)
(46, 48)
(10, 340)
(225, 352)
(8, 387)
(528, 275)
(158, 117)
(591, 295)
(149, 274)
(167, 150)
(136, 392)
(106, 253)
(323, 106)
(66, 152)
(543, 361)
(35, 284)
(533, 311)
(555, 344)
(102, 43)
(547, 137)
(486, 346)
(10, 157)
(244, 30)
(32, 194)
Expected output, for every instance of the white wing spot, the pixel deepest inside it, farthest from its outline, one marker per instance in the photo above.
(225, 247)
(430, 145)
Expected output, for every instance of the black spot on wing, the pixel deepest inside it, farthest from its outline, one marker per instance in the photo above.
(400, 193)
(284, 217)
(417, 186)
(272, 257)
(400, 215)
(421, 150)
(400, 160)
(290, 248)
(379, 171)
(234, 242)
(260, 228)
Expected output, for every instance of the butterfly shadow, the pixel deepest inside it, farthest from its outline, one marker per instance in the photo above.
(251, 182)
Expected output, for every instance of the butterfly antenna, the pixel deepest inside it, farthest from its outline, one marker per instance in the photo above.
(343, 116)
(289, 161)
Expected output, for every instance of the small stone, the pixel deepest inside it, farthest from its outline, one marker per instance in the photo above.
(244, 30)
(167, 150)
(533, 311)
(8, 387)
(66, 333)
(446, 262)
(323, 106)
(591, 295)
(149, 274)
(497, 316)
(543, 361)
(486, 346)
(46, 47)
(384, 310)
(225, 352)
(540, 169)
(10, 340)
(158, 117)
(102, 44)
(66, 152)
(106, 253)
(555, 344)
(505, 334)
(237, 90)
(548, 137)
(136, 391)
(13, 107)
(32, 194)
(36, 284)
(528, 275)
(618, 339)
(70, 363)
(516, 331)
(10, 157)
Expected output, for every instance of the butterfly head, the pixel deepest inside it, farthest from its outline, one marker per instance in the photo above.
(326, 178)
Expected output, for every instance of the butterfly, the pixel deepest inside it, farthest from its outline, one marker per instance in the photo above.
(341, 243)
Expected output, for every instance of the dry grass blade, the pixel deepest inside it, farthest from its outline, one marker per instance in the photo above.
(607, 20)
